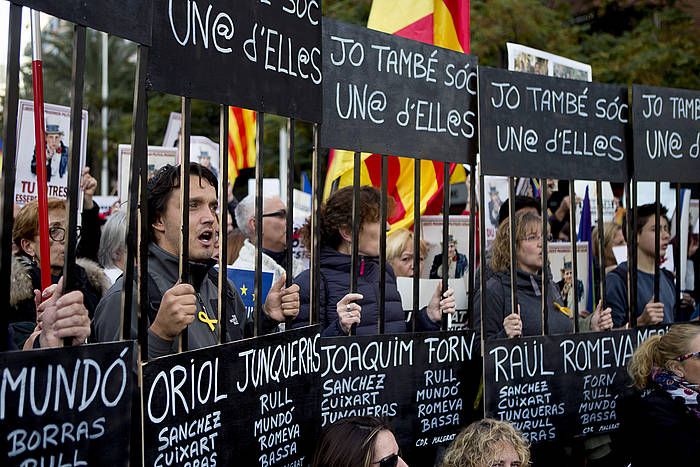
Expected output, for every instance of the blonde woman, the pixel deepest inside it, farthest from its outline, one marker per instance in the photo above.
(665, 408)
(399, 252)
(488, 443)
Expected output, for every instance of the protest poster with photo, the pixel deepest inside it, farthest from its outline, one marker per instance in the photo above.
(561, 265)
(458, 247)
(427, 287)
(57, 121)
(205, 152)
(158, 156)
(495, 193)
(529, 60)
(172, 131)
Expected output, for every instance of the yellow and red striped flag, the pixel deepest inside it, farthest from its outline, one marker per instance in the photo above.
(241, 141)
(441, 22)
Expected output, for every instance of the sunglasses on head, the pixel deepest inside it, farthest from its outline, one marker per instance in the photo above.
(281, 213)
(688, 356)
(389, 461)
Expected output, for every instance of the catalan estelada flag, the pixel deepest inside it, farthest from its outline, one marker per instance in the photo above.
(441, 22)
(241, 141)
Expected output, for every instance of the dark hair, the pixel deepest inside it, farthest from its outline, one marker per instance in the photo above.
(349, 442)
(521, 202)
(336, 213)
(164, 182)
(646, 211)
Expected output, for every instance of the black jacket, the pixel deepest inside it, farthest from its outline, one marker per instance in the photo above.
(335, 284)
(163, 274)
(26, 277)
(529, 297)
(657, 430)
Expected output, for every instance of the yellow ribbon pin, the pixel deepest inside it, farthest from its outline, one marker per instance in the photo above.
(203, 317)
(567, 311)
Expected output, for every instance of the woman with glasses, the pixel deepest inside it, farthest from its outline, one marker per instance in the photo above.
(358, 442)
(26, 272)
(665, 405)
(340, 310)
(488, 443)
(500, 321)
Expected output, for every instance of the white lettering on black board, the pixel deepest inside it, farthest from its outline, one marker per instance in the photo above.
(53, 410)
(423, 96)
(666, 133)
(279, 363)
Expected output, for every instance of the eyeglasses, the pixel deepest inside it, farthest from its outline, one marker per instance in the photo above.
(535, 238)
(282, 214)
(389, 461)
(58, 234)
(688, 356)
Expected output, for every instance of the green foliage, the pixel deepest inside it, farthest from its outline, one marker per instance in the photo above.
(663, 49)
(526, 22)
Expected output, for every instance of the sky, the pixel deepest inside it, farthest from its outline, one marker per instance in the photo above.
(4, 28)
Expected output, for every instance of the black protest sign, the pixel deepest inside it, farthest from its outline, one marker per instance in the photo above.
(390, 95)
(130, 19)
(537, 126)
(256, 54)
(559, 387)
(67, 406)
(424, 384)
(250, 402)
(666, 126)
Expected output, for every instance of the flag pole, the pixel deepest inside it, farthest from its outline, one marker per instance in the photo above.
(40, 150)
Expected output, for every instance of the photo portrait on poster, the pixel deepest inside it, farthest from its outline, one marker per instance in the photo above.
(561, 265)
(457, 249)
(158, 157)
(495, 193)
(57, 134)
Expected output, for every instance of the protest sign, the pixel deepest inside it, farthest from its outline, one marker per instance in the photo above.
(529, 60)
(389, 95)
(458, 246)
(67, 406)
(424, 384)
(111, 16)
(260, 55)
(537, 126)
(57, 118)
(561, 261)
(666, 134)
(250, 402)
(426, 290)
(158, 157)
(559, 387)
(495, 192)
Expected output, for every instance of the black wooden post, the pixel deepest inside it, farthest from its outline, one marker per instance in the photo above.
(185, 132)
(9, 167)
(259, 148)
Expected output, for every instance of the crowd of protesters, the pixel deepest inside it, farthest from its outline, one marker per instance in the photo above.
(665, 370)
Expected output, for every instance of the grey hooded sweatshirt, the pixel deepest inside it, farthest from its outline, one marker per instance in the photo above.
(529, 297)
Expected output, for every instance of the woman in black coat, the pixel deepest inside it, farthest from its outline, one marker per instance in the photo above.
(663, 413)
(339, 310)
